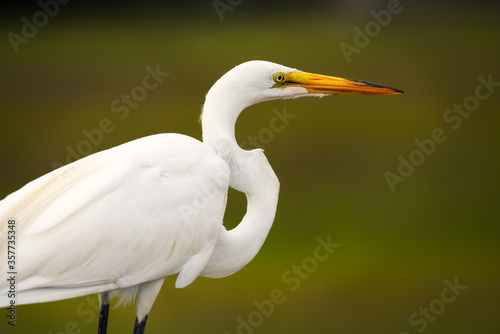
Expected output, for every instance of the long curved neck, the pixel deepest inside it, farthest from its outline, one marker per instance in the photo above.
(250, 174)
(237, 247)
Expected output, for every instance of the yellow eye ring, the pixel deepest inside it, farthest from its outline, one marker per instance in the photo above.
(279, 77)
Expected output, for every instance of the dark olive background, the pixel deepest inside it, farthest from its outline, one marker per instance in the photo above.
(397, 249)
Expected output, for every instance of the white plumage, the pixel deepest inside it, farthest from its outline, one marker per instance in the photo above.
(121, 220)
(92, 225)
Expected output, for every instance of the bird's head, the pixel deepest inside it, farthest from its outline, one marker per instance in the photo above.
(257, 81)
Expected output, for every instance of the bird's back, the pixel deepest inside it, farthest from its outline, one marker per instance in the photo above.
(134, 213)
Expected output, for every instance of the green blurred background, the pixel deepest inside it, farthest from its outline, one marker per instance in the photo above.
(397, 248)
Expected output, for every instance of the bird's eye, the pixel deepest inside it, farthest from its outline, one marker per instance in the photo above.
(279, 77)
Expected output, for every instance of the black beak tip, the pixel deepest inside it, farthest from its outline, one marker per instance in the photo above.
(371, 84)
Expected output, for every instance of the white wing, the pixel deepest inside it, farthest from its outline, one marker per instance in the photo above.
(137, 212)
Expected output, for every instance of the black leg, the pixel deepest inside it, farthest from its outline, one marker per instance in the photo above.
(103, 319)
(139, 326)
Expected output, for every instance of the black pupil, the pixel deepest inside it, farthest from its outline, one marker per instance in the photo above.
(280, 77)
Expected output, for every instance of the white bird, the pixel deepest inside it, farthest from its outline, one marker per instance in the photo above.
(119, 221)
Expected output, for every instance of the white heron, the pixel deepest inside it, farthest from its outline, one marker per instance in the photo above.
(119, 221)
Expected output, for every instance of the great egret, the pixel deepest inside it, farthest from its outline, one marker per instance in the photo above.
(119, 221)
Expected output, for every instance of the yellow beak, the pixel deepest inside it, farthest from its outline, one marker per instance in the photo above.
(322, 84)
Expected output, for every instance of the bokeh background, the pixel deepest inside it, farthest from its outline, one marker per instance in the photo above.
(397, 248)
